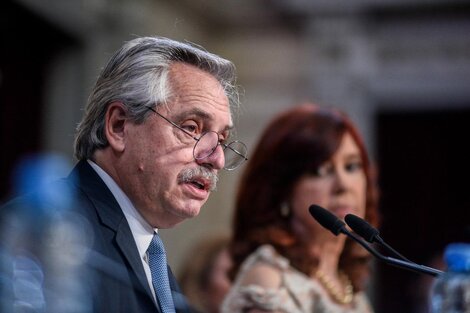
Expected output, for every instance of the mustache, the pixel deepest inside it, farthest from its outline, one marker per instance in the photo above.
(190, 174)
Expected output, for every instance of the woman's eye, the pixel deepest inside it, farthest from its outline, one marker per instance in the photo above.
(323, 170)
(354, 166)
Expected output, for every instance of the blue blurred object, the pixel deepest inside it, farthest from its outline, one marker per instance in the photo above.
(39, 169)
(28, 279)
(34, 175)
(45, 242)
(451, 291)
(457, 257)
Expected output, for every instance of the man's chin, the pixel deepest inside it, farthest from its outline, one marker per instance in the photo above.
(189, 212)
(193, 213)
(178, 217)
(178, 214)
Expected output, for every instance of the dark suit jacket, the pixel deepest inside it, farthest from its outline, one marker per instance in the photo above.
(115, 278)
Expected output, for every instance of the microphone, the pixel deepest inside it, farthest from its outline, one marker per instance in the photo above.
(327, 219)
(336, 226)
(369, 233)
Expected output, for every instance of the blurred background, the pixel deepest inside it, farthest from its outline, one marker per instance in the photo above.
(400, 68)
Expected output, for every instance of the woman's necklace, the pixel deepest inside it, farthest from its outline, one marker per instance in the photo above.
(341, 297)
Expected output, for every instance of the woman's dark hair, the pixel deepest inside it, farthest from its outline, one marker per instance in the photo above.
(295, 143)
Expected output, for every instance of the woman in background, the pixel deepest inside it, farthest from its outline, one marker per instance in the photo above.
(204, 277)
(284, 261)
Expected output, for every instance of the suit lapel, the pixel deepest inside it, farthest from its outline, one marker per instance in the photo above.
(111, 215)
(126, 243)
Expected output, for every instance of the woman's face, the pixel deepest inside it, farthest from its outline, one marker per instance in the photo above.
(339, 186)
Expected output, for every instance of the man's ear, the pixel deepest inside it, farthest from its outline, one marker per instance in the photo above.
(115, 123)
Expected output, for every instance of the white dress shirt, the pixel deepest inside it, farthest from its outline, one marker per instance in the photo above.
(140, 228)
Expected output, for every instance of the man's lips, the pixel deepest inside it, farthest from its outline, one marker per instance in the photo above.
(201, 183)
(196, 190)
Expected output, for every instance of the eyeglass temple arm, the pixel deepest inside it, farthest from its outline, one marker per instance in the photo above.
(234, 150)
(172, 123)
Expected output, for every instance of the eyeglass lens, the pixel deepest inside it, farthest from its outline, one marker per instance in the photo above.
(234, 152)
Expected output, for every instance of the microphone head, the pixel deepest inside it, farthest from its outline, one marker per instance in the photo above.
(326, 219)
(361, 227)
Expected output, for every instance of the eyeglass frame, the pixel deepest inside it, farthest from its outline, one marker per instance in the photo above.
(223, 145)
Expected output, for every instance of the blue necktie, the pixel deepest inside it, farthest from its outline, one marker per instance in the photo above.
(158, 267)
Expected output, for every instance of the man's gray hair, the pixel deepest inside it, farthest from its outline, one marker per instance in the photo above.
(137, 76)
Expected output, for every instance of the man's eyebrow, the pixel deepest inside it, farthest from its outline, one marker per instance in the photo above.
(192, 112)
(199, 113)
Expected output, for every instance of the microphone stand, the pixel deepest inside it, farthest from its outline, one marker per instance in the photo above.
(370, 234)
(392, 261)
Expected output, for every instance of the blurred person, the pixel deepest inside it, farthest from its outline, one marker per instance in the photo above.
(284, 261)
(154, 135)
(204, 277)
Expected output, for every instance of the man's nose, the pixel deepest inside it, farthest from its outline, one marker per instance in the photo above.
(216, 160)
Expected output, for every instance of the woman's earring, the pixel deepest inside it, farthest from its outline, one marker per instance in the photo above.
(285, 209)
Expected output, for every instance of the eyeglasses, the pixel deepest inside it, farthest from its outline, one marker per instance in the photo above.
(235, 152)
